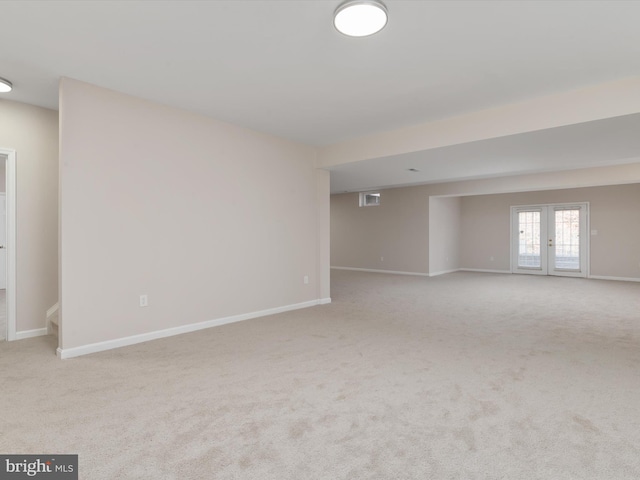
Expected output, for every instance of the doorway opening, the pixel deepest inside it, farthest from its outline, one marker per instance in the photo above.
(550, 239)
(7, 244)
(3, 251)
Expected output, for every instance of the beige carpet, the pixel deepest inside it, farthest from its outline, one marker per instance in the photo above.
(463, 376)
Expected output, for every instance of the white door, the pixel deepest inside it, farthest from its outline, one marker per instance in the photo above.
(3, 241)
(550, 239)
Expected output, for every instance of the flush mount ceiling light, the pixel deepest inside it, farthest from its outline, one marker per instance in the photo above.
(360, 18)
(5, 85)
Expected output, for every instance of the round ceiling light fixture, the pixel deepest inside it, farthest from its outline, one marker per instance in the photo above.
(5, 85)
(360, 18)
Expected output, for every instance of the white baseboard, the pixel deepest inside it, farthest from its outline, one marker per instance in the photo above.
(482, 270)
(443, 272)
(36, 332)
(620, 279)
(170, 332)
(324, 301)
(594, 277)
(380, 271)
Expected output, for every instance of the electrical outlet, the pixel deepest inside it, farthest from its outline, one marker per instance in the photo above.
(382, 259)
(306, 279)
(491, 259)
(144, 300)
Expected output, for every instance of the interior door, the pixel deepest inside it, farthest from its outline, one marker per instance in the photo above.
(550, 239)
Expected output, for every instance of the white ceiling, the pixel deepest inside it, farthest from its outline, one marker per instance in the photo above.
(612, 141)
(281, 68)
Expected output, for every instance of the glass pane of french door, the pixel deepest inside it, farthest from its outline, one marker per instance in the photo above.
(566, 241)
(529, 239)
(550, 239)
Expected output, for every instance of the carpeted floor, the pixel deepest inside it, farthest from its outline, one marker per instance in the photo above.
(463, 376)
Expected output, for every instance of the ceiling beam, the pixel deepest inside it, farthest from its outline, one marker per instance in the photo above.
(597, 102)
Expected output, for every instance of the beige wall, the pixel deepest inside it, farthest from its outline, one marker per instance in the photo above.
(444, 234)
(403, 228)
(488, 248)
(208, 219)
(614, 213)
(33, 133)
(323, 261)
(392, 236)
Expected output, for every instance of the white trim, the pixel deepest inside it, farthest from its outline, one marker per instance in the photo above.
(52, 310)
(36, 332)
(170, 332)
(380, 271)
(620, 279)
(324, 301)
(50, 313)
(483, 270)
(4, 194)
(10, 173)
(443, 272)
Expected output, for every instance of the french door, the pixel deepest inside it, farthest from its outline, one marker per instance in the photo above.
(550, 239)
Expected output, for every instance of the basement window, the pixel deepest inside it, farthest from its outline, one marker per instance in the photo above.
(369, 199)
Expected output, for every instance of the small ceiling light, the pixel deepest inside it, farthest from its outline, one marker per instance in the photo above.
(5, 85)
(360, 18)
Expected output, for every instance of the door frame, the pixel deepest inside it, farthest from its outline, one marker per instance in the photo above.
(4, 195)
(10, 188)
(586, 244)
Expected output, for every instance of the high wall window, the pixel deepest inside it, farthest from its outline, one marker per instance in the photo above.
(369, 199)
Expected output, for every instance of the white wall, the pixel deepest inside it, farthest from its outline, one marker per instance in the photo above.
(33, 133)
(444, 234)
(208, 219)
